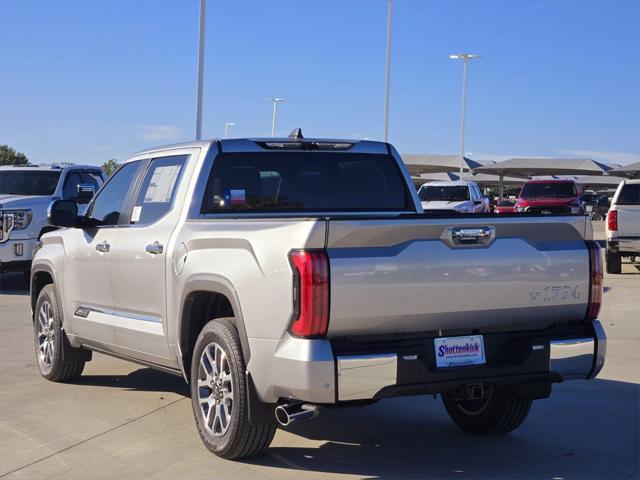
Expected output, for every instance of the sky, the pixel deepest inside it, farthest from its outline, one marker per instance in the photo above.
(89, 80)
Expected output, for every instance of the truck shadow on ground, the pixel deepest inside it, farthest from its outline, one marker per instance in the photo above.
(143, 379)
(412, 437)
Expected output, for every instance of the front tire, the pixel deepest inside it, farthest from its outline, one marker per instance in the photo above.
(614, 262)
(219, 396)
(501, 412)
(49, 338)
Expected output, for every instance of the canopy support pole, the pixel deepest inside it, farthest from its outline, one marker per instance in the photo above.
(501, 191)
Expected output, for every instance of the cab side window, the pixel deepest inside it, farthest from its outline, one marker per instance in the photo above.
(158, 189)
(109, 205)
(70, 189)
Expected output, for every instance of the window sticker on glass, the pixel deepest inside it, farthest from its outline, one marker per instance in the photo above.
(235, 197)
(161, 184)
(135, 214)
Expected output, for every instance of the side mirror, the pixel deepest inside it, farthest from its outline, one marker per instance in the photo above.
(63, 213)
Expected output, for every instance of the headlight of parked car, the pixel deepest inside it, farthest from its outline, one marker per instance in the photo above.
(21, 218)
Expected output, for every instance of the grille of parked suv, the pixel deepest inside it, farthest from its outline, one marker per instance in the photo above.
(554, 210)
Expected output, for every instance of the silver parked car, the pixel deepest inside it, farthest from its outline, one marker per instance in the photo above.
(280, 276)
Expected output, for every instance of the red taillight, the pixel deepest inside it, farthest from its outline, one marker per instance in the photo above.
(595, 290)
(310, 293)
(612, 220)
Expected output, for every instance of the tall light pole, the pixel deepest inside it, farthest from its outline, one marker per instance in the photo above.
(275, 101)
(387, 88)
(203, 12)
(465, 57)
(226, 128)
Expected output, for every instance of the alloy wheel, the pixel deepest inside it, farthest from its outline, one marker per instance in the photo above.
(215, 389)
(46, 335)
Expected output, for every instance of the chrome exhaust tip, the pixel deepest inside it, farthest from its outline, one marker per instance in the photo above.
(295, 412)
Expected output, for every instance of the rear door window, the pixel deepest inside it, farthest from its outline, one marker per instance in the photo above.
(158, 189)
(304, 182)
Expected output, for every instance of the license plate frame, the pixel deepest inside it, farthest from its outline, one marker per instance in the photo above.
(460, 351)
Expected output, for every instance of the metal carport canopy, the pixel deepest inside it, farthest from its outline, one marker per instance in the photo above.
(482, 179)
(543, 166)
(417, 164)
(632, 171)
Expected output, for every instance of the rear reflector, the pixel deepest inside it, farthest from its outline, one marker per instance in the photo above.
(310, 293)
(596, 288)
(612, 220)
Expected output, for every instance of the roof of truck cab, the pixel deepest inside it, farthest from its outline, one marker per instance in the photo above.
(52, 167)
(252, 143)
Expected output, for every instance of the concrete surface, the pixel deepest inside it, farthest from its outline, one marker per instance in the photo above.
(124, 421)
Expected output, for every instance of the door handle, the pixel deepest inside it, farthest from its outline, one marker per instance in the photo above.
(103, 247)
(154, 248)
(469, 236)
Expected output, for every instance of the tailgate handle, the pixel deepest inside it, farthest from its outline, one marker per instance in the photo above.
(472, 235)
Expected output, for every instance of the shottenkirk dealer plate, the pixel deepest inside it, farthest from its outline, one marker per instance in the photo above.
(459, 351)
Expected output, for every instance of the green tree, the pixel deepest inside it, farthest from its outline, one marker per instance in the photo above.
(8, 156)
(109, 166)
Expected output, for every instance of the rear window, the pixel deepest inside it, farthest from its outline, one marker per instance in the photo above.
(548, 190)
(304, 181)
(453, 193)
(629, 195)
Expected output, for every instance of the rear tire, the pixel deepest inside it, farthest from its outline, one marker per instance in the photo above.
(219, 395)
(49, 338)
(503, 411)
(614, 262)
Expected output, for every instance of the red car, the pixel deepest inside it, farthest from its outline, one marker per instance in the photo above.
(505, 206)
(550, 197)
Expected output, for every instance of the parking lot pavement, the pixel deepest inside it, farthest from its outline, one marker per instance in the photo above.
(122, 420)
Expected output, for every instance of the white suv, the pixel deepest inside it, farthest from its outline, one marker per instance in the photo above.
(459, 196)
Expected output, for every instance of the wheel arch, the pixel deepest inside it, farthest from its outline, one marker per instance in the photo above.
(202, 300)
(41, 276)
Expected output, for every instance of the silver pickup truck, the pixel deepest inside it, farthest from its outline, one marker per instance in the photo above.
(283, 276)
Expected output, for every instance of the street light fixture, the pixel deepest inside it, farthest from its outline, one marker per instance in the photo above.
(226, 128)
(275, 101)
(387, 86)
(200, 80)
(465, 57)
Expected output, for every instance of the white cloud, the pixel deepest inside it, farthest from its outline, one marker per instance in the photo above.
(623, 158)
(153, 133)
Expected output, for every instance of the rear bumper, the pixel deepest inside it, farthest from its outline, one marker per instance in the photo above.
(549, 360)
(324, 371)
(624, 244)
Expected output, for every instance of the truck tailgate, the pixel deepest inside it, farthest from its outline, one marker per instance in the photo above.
(422, 274)
(629, 220)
